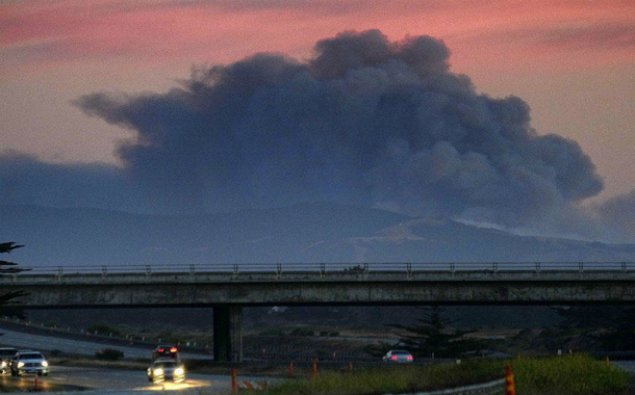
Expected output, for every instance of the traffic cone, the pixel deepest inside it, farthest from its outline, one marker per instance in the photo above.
(510, 387)
(234, 381)
(291, 370)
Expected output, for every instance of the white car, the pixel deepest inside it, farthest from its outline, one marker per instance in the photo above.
(166, 369)
(29, 362)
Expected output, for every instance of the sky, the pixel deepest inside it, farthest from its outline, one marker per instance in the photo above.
(571, 62)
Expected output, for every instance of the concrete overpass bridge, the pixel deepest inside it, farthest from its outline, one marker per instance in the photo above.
(229, 287)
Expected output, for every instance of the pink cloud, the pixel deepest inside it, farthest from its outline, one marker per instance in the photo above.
(73, 30)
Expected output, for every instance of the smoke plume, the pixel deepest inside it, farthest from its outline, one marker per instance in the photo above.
(617, 216)
(365, 121)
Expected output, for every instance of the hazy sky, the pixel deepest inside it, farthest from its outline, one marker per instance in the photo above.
(573, 62)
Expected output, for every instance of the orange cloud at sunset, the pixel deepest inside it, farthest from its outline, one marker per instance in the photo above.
(560, 33)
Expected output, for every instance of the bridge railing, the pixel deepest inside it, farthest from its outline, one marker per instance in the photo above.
(334, 268)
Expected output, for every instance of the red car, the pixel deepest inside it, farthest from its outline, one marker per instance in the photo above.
(398, 356)
(165, 351)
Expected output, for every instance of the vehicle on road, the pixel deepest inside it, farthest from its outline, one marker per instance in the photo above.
(398, 356)
(6, 354)
(166, 369)
(29, 362)
(166, 351)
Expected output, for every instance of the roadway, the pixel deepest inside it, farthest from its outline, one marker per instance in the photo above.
(115, 381)
(98, 380)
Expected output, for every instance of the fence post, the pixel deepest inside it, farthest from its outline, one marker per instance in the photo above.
(314, 369)
(510, 387)
(236, 270)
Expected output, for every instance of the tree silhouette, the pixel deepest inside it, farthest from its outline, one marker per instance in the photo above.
(7, 267)
(432, 336)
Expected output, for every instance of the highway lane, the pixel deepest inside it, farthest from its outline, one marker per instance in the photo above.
(105, 380)
(117, 379)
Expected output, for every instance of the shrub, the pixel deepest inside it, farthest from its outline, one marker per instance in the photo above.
(109, 354)
(302, 332)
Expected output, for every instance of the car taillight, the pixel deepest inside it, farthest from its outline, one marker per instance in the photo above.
(409, 357)
(393, 358)
(160, 350)
(173, 349)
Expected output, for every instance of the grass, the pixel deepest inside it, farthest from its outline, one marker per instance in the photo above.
(566, 375)
(393, 379)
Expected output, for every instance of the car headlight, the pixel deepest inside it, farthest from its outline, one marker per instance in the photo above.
(45, 364)
(3, 364)
(20, 364)
(158, 372)
(179, 372)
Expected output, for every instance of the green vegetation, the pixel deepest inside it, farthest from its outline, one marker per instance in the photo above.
(566, 375)
(394, 379)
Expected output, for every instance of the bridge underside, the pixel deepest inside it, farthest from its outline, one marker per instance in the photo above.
(228, 297)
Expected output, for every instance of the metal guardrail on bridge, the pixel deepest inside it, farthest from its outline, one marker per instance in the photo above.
(334, 268)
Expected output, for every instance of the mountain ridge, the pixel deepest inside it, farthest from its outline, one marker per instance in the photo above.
(308, 232)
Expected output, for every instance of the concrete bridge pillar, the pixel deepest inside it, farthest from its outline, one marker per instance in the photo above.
(228, 343)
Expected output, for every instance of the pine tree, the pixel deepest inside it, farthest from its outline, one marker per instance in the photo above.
(432, 336)
(7, 267)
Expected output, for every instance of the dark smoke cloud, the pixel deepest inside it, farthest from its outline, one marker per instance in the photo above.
(365, 121)
(618, 217)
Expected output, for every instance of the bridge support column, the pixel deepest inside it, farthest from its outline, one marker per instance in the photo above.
(228, 343)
